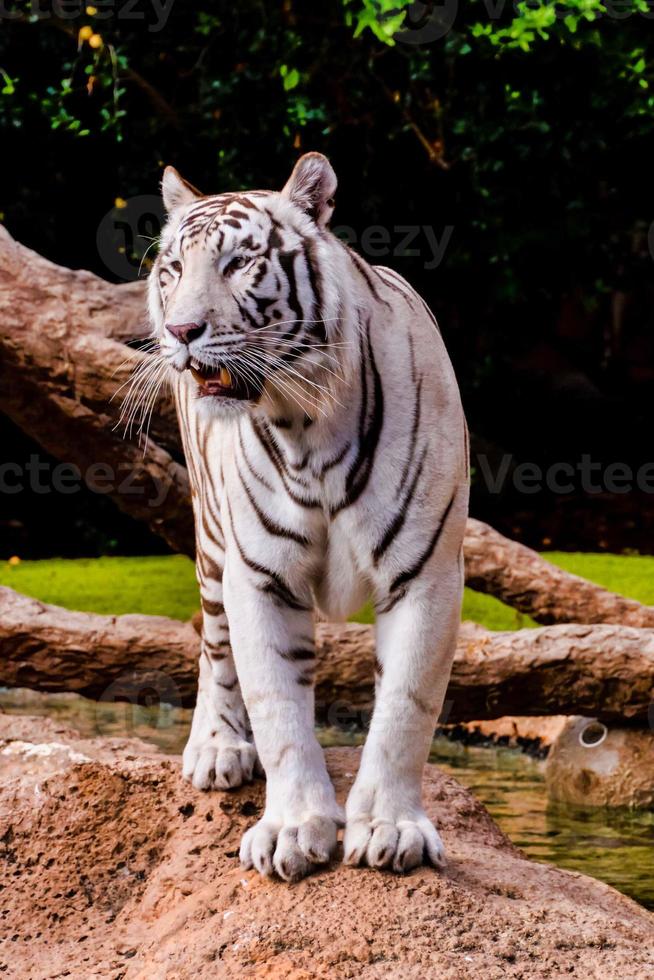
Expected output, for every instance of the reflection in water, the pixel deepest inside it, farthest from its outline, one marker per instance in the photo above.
(613, 845)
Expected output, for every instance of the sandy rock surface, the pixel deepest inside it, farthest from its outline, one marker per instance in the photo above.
(111, 867)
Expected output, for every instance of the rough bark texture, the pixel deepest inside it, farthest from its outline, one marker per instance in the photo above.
(48, 648)
(61, 363)
(521, 578)
(602, 671)
(62, 359)
(116, 868)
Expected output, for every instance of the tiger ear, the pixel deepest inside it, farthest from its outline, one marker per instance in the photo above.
(312, 186)
(176, 191)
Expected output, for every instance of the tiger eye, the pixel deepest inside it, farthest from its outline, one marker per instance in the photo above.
(238, 262)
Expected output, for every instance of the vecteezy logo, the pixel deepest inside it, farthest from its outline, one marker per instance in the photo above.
(427, 22)
(155, 13)
(128, 234)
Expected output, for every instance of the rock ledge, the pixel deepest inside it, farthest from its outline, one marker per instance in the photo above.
(114, 868)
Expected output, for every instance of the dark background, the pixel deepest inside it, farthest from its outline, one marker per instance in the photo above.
(533, 146)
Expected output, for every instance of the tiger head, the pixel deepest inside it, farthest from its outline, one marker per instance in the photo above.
(247, 290)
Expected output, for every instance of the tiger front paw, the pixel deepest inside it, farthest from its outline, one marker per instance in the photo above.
(291, 850)
(384, 830)
(210, 762)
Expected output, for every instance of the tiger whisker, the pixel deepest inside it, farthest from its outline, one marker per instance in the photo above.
(284, 388)
(149, 399)
(309, 347)
(143, 368)
(139, 378)
(134, 352)
(304, 357)
(153, 401)
(281, 323)
(299, 343)
(283, 365)
(272, 360)
(142, 394)
(153, 241)
(275, 380)
(285, 385)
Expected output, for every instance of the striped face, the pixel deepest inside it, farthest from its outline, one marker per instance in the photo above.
(241, 292)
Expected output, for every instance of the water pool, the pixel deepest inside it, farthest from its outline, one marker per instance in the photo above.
(614, 845)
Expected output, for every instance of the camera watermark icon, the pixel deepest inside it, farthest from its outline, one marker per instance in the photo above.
(427, 22)
(127, 236)
(43, 477)
(154, 13)
(399, 241)
(140, 699)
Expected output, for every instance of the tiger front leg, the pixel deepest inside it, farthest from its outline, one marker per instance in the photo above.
(219, 753)
(386, 824)
(273, 647)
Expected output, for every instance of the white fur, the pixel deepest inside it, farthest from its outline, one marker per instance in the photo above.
(254, 680)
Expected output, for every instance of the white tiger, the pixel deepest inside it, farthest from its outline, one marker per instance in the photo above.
(327, 450)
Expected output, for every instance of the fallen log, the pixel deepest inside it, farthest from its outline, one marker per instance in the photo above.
(49, 648)
(60, 367)
(523, 579)
(603, 671)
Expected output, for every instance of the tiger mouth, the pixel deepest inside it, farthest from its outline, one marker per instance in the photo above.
(217, 381)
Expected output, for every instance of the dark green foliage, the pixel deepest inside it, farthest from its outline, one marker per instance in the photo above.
(526, 128)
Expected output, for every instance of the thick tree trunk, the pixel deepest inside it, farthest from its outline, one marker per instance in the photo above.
(62, 360)
(521, 578)
(48, 648)
(60, 369)
(601, 671)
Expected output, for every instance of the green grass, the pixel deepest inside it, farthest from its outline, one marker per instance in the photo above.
(480, 608)
(630, 575)
(166, 585)
(161, 585)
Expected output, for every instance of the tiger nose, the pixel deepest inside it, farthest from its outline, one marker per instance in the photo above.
(186, 332)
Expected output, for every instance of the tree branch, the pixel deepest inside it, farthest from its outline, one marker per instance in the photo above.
(601, 671)
(60, 367)
(523, 579)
